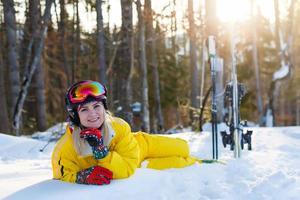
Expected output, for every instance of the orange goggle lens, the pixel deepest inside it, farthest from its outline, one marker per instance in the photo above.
(81, 91)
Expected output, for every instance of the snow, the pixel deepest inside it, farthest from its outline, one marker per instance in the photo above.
(270, 171)
(282, 72)
(269, 118)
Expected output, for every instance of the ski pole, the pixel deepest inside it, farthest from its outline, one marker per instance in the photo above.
(235, 101)
(212, 60)
(44, 147)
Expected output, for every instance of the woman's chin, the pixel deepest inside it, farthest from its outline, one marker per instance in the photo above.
(96, 124)
(93, 125)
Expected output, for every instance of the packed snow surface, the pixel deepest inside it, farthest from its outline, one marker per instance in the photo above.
(270, 171)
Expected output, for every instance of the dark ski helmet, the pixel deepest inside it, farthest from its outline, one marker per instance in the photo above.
(81, 93)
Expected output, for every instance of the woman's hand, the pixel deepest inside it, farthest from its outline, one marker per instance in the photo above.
(94, 137)
(95, 175)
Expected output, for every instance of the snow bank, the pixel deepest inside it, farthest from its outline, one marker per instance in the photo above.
(12, 148)
(270, 171)
(53, 133)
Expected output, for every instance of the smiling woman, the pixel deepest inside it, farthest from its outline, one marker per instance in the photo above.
(91, 114)
(98, 147)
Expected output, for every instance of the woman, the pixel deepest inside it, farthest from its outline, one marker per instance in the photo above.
(97, 147)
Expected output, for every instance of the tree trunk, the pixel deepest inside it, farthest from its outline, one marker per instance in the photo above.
(61, 30)
(285, 60)
(193, 61)
(174, 31)
(35, 18)
(298, 110)
(297, 102)
(256, 66)
(291, 30)
(100, 43)
(277, 25)
(282, 110)
(4, 125)
(278, 40)
(40, 36)
(76, 40)
(202, 79)
(193, 57)
(10, 26)
(109, 72)
(154, 65)
(275, 84)
(26, 44)
(124, 90)
(175, 49)
(108, 9)
(203, 61)
(40, 98)
(143, 64)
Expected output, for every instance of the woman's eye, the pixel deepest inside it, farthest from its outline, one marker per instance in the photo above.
(97, 106)
(83, 110)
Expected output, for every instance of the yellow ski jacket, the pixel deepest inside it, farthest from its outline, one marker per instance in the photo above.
(127, 151)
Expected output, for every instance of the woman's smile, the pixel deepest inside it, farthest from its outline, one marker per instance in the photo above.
(91, 115)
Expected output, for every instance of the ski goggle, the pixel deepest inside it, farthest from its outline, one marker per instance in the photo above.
(79, 92)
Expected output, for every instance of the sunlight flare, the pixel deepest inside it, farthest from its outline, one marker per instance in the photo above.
(233, 10)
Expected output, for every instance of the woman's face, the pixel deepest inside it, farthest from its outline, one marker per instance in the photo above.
(91, 115)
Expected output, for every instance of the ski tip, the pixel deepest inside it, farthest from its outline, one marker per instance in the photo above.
(207, 161)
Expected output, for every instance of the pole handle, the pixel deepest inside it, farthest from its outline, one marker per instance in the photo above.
(211, 46)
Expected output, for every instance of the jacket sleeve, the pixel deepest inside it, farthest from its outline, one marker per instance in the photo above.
(123, 157)
(64, 163)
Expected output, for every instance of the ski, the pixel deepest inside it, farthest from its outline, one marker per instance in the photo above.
(234, 92)
(235, 104)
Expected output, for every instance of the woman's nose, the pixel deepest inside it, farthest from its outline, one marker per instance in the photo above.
(92, 111)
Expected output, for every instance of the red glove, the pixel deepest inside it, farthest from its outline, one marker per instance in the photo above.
(95, 175)
(94, 137)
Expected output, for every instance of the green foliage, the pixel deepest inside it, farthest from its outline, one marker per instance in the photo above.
(174, 83)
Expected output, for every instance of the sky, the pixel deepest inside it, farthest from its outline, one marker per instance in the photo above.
(270, 171)
(227, 10)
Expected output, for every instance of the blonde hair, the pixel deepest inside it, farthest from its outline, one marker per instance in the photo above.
(107, 130)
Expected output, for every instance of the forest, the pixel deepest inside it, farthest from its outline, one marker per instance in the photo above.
(152, 56)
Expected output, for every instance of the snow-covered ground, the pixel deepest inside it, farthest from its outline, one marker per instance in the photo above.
(270, 171)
